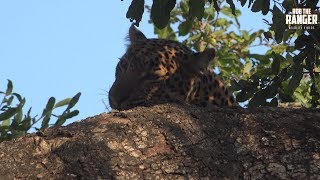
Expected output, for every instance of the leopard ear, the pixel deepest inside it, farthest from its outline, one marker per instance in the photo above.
(135, 34)
(200, 61)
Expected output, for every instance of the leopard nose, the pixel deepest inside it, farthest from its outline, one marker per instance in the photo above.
(113, 103)
(113, 98)
(116, 99)
(117, 103)
(121, 91)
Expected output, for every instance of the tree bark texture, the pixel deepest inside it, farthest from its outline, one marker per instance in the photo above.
(172, 141)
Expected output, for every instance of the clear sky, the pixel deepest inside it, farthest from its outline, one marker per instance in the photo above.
(61, 47)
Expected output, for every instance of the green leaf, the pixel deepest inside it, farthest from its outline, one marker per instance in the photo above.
(274, 102)
(228, 12)
(194, 37)
(254, 36)
(298, 59)
(257, 6)
(275, 66)
(286, 34)
(233, 8)
(243, 2)
(257, 56)
(22, 102)
(25, 124)
(278, 23)
(165, 33)
(9, 88)
(246, 35)
(160, 12)
(9, 101)
(250, 2)
(296, 78)
(135, 11)
(185, 27)
(73, 101)
(259, 99)
(184, 7)
(6, 122)
(265, 7)
(272, 90)
(234, 85)
(261, 5)
(17, 118)
(222, 22)
(310, 60)
(216, 5)
(211, 41)
(285, 97)
(244, 83)
(247, 68)
(62, 119)
(301, 41)
(71, 114)
(241, 96)
(18, 96)
(62, 102)
(49, 106)
(8, 113)
(245, 95)
(29, 112)
(267, 35)
(45, 121)
(209, 13)
(288, 4)
(196, 8)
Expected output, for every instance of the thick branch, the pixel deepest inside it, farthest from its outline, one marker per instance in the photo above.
(173, 141)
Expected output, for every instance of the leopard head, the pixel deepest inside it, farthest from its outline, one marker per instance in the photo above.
(152, 69)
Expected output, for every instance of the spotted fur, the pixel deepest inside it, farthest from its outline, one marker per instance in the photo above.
(154, 71)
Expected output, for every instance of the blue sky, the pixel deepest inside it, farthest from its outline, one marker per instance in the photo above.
(58, 48)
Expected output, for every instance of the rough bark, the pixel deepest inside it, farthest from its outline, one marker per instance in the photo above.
(172, 141)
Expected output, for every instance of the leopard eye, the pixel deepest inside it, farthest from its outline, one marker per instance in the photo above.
(150, 64)
(150, 77)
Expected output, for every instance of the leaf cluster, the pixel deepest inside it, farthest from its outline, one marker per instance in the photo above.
(287, 72)
(295, 68)
(14, 123)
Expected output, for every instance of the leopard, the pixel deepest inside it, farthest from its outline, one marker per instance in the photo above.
(155, 71)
